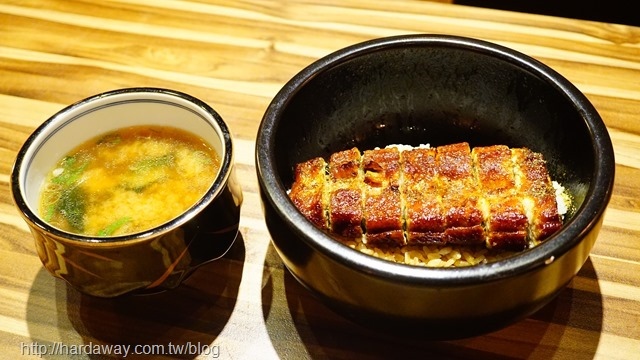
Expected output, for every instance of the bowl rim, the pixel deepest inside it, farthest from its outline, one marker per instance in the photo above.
(572, 233)
(147, 93)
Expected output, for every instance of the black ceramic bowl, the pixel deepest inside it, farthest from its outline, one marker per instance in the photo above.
(151, 260)
(439, 90)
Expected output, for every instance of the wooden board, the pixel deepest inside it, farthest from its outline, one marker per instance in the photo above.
(235, 56)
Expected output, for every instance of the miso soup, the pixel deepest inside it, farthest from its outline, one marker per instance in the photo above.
(128, 180)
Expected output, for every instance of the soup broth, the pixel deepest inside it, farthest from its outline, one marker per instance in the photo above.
(128, 180)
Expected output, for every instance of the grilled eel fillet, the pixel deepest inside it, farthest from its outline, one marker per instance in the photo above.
(491, 195)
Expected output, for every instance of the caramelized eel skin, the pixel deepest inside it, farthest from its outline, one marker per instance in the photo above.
(460, 195)
(504, 215)
(424, 213)
(308, 190)
(538, 194)
(345, 193)
(451, 194)
(382, 204)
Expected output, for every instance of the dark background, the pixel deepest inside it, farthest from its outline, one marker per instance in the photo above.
(612, 11)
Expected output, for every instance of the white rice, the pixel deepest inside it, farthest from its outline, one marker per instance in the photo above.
(562, 198)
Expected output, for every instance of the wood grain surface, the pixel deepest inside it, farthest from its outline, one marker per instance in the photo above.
(235, 55)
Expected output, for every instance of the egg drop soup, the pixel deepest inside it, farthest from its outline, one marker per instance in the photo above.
(127, 181)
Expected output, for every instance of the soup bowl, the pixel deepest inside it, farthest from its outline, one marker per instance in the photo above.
(151, 260)
(437, 90)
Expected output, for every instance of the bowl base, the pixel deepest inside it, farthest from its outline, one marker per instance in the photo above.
(428, 329)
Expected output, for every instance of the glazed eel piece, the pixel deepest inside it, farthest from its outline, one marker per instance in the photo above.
(491, 195)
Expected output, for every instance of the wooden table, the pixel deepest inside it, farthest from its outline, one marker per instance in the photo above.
(235, 55)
